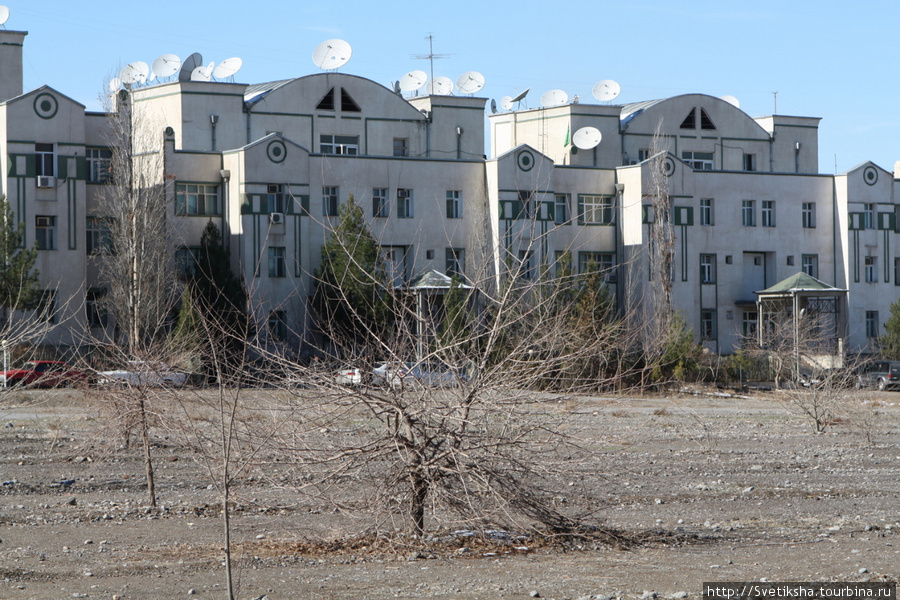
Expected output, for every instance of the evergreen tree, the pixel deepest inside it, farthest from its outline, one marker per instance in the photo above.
(889, 343)
(20, 288)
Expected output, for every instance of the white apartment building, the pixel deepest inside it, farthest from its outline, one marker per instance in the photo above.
(272, 163)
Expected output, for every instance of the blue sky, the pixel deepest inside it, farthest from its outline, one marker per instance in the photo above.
(828, 59)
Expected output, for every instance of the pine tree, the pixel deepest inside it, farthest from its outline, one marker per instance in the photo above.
(20, 288)
(889, 343)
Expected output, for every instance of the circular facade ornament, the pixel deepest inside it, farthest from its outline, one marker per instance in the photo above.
(46, 106)
(276, 151)
(669, 166)
(525, 160)
(870, 175)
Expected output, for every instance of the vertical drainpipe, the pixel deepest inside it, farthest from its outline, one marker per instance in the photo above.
(620, 245)
(772, 151)
(459, 132)
(214, 120)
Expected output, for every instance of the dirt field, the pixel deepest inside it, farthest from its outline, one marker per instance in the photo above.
(732, 488)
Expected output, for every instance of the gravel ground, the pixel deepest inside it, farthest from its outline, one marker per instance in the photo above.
(723, 488)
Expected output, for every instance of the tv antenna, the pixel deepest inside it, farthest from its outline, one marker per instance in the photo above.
(431, 55)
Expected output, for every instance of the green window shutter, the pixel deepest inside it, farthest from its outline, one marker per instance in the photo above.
(886, 221)
(30, 166)
(62, 167)
(304, 205)
(857, 221)
(684, 215)
(81, 168)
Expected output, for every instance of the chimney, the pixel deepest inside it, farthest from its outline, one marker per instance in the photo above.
(11, 43)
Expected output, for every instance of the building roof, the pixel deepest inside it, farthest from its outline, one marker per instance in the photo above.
(255, 93)
(799, 282)
(630, 111)
(432, 280)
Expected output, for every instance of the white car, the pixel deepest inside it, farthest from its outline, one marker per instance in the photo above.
(423, 374)
(139, 373)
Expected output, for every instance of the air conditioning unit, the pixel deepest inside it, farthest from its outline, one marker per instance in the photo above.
(276, 218)
(612, 278)
(403, 193)
(46, 181)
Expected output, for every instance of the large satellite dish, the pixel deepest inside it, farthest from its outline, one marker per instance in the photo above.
(470, 82)
(506, 102)
(732, 101)
(136, 72)
(554, 98)
(166, 65)
(440, 86)
(228, 67)
(202, 73)
(521, 95)
(586, 138)
(413, 81)
(606, 90)
(114, 84)
(4, 15)
(331, 54)
(187, 67)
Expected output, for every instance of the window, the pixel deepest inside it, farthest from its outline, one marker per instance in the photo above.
(809, 215)
(561, 209)
(327, 102)
(404, 204)
(748, 213)
(706, 211)
(186, 262)
(98, 240)
(276, 261)
(643, 154)
(790, 260)
(707, 268)
(594, 210)
(869, 216)
(348, 104)
(897, 271)
(46, 308)
(526, 266)
(809, 264)
(95, 308)
(690, 121)
(380, 207)
(98, 160)
(749, 162)
(45, 232)
(707, 324)
(603, 262)
(750, 322)
(871, 264)
(871, 324)
(197, 199)
(455, 262)
(339, 144)
(699, 161)
(454, 204)
(526, 205)
(768, 213)
(275, 198)
(277, 325)
(401, 147)
(43, 160)
(330, 201)
(705, 121)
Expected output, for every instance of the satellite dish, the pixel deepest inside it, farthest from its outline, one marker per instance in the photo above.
(586, 138)
(4, 15)
(202, 73)
(732, 101)
(136, 72)
(470, 82)
(521, 95)
(114, 84)
(606, 90)
(228, 67)
(554, 98)
(440, 86)
(331, 54)
(493, 106)
(413, 81)
(187, 67)
(166, 65)
(506, 102)
(395, 85)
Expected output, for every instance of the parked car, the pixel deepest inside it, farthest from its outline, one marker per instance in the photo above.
(882, 374)
(43, 373)
(138, 373)
(349, 376)
(427, 374)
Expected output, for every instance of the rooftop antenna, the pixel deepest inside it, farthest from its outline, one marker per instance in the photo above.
(4, 16)
(431, 55)
(775, 96)
(332, 54)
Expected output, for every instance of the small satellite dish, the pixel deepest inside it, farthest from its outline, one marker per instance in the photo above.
(395, 85)
(136, 72)
(115, 84)
(413, 81)
(732, 101)
(521, 95)
(440, 86)
(554, 98)
(470, 82)
(606, 90)
(187, 67)
(506, 102)
(228, 67)
(493, 106)
(331, 54)
(586, 138)
(166, 65)
(202, 73)
(4, 15)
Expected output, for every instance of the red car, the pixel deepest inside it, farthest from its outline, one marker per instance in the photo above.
(43, 373)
